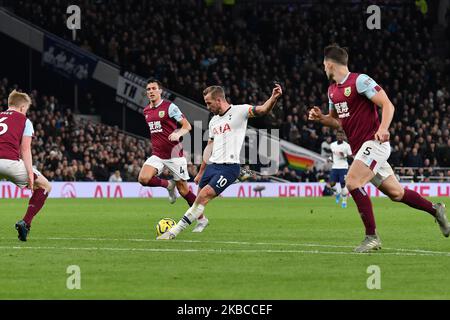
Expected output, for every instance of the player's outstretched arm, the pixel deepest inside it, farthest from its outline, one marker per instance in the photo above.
(330, 120)
(387, 113)
(25, 151)
(185, 128)
(270, 103)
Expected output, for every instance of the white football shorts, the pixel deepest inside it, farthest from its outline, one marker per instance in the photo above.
(375, 154)
(177, 166)
(15, 172)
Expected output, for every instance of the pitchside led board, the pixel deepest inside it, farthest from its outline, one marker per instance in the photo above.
(239, 190)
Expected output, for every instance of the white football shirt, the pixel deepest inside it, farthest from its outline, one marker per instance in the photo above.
(340, 154)
(228, 133)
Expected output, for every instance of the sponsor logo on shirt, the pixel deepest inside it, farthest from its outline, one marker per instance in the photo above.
(155, 126)
(342, 109)
(221, 129)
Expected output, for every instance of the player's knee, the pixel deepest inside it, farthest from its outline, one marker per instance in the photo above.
(352, 183)
(48, 187)
(43, 184)
(397, 194)
(205, 196)
(144, 180)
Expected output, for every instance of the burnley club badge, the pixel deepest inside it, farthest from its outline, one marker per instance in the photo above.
(347, 91)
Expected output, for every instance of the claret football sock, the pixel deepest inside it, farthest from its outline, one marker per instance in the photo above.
(416, 201)
(157, 182)
(35, 204)
(364, 205)
(190, 198)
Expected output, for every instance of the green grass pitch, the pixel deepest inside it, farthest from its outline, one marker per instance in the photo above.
(292, 248)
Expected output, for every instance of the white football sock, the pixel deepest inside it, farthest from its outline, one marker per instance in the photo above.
(344, 194)
(189, 217)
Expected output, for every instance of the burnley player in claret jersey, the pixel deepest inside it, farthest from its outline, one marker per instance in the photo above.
(16, 164)
(167, 126)
(354, 100)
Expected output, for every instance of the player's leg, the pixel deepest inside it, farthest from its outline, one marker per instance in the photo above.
(17, 174)
(186, 220)
(205, 195)
(42, 188)
(148, 176)
(333, 180)
(358, 176)
(178, 169)
(368, 160)
(390, 186)
(189, 196)
(344, 190)
(214, 181)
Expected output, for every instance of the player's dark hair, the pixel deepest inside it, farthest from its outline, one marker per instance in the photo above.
(336, 53)
(153, 80)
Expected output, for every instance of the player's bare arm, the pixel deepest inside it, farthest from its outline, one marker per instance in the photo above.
(330, 120)
(25, 151)
(382, 100)
(264, 109)
(206, 154)
(185, 128)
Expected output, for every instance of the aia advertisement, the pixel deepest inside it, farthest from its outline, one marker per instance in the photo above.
(238, 190)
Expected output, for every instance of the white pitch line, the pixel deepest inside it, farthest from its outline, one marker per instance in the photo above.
(401, 252)
(247, 243)
(211, 250)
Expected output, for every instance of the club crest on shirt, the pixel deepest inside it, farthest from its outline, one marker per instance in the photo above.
(347, 91)
(161, 114)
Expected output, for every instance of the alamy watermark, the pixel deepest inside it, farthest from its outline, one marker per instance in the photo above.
(374, 280)
(260, 147)
(73, 22)
(374, 20)
(74, 279)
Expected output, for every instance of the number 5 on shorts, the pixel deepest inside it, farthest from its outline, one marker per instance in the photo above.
(367, 151)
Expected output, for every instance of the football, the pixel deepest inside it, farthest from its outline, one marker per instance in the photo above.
(164, 225)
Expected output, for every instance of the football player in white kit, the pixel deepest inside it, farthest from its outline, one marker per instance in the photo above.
(341, 151)
(226, 136)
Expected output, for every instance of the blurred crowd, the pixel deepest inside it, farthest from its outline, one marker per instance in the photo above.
(189, 45)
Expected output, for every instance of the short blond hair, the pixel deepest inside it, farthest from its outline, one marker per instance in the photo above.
(215, 91)
(17, 98)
